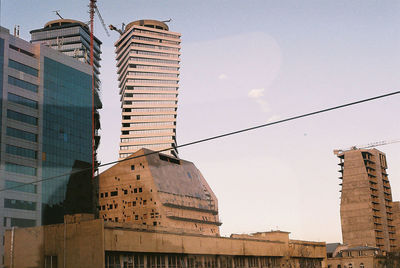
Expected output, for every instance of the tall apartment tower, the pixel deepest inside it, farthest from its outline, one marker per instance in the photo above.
(45, 119)
(366, 201)
(72, 38)
(148, 75)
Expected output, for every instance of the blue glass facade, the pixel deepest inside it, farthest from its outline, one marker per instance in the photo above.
(67, 134)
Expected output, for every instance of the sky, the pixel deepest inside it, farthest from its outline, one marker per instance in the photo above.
(245, 63)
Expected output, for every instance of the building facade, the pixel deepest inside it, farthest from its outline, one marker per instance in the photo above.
(45, 129)
(148, 75)
(158, 190)
(366, 208)
(72, 38)
(95, 243)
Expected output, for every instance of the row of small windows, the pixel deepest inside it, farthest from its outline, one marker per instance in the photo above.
(156, 33)
(161, 138)
(22, 100)
(138, 147)
(18, 222)
(139, 52)
(147, 117)
(152, 81)
(22, 117)
(22, 67)
(20, 186)
(19, 204)
(21, 134)
(150, 131)
(154, 60)
(151, 88)
(22, 84)
(155, 47)
(152, 74)
(20, 169)
(141, 95)
(155, 40)
(115, 193)
(145, 102)
(151, 67)
(147, 110)
(24, 152)
(22, 51)
(149, 124)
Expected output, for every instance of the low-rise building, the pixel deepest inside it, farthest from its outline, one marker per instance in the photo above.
(84, 242)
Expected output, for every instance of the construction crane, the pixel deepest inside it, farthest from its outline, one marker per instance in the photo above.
(366, 146)
(113, 28)
(58, 14)
(101, 20)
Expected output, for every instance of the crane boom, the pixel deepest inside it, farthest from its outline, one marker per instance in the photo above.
(365, 146)
(101, 20)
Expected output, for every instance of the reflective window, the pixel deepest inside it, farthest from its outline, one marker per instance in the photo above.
(20, 169)
(20, 134)
(22, 117)
(22, 84)
(22, 67)
(21, 187)
(23, 101)
(24, 152)
(19, 204)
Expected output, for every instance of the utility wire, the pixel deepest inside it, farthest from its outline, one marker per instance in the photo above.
(216, 137)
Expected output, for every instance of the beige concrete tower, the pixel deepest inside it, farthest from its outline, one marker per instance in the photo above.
(366, 201)
(148, 74)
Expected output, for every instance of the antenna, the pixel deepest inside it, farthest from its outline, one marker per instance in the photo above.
(58, 14)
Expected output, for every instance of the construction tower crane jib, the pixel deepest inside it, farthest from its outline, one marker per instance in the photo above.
(366, 146)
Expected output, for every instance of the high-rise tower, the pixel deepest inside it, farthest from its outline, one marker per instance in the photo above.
(45, 130)
(366, 202)
(72, 38)
(148, 74)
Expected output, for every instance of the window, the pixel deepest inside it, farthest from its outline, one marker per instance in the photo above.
(114, 193)
(135, 190)
(50, 262)
(23, 101)
(350, 265)
(20, 169)
(101, 195)
(22, 117)
(21, 134)
(138, 177)
(24, 152)
(132, 167)
(22, 84)
(22, 67)
(106, 194)
(361, 265)
(140, 190)
(19, 204)
(136, 217)
(20, 186)
(144, 202)
(134, 203)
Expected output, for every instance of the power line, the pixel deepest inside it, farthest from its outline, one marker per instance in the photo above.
(216, 137)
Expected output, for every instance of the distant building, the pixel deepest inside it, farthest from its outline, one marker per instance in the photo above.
(158, 190)
(355, 257)
(148, 75)
(72, 38)
(45, 128)
(366, 208)
(83, 242)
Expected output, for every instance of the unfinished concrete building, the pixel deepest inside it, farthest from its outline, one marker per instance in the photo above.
(158, 190)
(366, 200)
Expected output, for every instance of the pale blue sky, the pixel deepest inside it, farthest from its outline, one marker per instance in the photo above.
(247, 62)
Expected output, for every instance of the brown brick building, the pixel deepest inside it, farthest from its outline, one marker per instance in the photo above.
(158, 190)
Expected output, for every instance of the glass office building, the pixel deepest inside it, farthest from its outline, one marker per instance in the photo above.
(46, 130)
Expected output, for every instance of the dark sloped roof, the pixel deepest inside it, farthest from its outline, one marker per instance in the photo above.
(331, 247)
